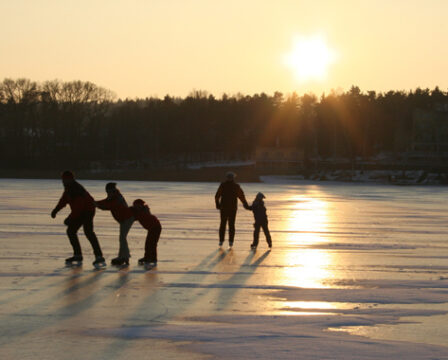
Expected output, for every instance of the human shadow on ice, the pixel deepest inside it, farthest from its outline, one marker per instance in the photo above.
(163, 304)
(37, 279)
(79, 296)
(226, 293)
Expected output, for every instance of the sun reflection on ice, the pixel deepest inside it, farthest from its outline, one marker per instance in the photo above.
(307, 221)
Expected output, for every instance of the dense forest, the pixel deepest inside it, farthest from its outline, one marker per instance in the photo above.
(50, 124)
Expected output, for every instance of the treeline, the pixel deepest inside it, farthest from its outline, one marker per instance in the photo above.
(55, 123)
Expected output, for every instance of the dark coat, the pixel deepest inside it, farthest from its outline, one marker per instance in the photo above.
(78, 198)
(227, 195)
(117, 206)
(259, 211)
(145, 218)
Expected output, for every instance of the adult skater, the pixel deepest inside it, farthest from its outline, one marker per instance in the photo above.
(261, 220)
(226, 201)
(82, 212)
(117, 205)
(152, 224)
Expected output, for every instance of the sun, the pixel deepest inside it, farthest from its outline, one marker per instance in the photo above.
(310, 58)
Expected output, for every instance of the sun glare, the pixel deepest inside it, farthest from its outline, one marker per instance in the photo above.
(310, 58)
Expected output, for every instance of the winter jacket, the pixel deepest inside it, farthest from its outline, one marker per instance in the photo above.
(227, 195)
(145, 218)
(78, 198)
(117, 206)
(259, 211)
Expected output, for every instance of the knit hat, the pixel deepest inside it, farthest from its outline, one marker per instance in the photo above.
(230, 175)
(139, 203)
(67, 175)
(111, 186)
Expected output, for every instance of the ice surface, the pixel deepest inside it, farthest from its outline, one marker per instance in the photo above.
(356, 271)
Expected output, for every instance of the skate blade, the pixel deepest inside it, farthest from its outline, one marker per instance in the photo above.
(150, 267)
(73, 264)
(121, 267)
(100, 266)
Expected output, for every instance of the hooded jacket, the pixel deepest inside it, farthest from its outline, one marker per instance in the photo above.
(259, 211)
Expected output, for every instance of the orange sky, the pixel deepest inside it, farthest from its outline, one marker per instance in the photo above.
(140, 48)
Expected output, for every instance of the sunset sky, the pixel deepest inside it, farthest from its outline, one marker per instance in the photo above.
(142, 48)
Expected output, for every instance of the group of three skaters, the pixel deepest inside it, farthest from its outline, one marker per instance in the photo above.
(82, 213)
(83, 208)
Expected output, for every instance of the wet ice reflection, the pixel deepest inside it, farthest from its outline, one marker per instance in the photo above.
(337, 251)
(307, 220)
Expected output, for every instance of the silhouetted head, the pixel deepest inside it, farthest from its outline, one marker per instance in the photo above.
(67, 177)
(260, 196)
(139, 203)
(111, 187)
(230, 176)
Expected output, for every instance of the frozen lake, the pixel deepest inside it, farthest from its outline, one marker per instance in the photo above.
(356, 271)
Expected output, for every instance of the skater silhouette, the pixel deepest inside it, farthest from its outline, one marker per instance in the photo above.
(82, 213)
(261, 220)
(152, 224)
(117, 205)
(226, 202)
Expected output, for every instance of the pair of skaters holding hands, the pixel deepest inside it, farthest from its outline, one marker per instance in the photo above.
(226, 199)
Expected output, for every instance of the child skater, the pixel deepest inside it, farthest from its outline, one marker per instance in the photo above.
(152, 224)
(261, 220)
(117, 205)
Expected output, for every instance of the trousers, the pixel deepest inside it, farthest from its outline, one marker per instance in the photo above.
(125, 226)
(227, 216)
(86, 221)
(151, 244)
(265, 228)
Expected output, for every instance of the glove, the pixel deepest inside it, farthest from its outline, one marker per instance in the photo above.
(67, 221)
(53, 213)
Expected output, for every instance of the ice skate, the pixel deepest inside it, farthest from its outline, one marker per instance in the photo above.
(143, 261)
(150, 265)
(99, 263)
(253, 247)
(75, 260)
(120, 262)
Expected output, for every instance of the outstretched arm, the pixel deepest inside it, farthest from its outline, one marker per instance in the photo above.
(242, 198)
(104, 204)
(61, 204)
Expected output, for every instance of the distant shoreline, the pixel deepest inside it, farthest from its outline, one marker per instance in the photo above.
(245, 174)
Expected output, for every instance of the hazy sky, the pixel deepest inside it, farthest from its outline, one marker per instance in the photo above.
(140, 48)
